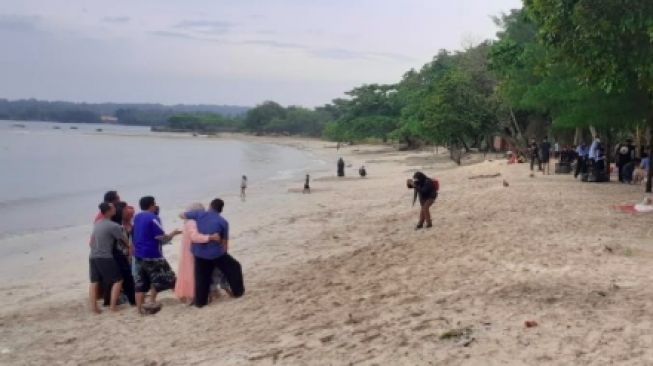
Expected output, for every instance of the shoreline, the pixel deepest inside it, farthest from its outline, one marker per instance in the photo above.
(340, 276)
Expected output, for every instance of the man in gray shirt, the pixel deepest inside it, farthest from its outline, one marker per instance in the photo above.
(102, 266)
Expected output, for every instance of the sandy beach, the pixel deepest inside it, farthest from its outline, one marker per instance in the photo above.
(341, 277)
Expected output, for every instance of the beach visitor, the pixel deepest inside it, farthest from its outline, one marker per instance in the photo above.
(427, 190)
(341, 167)
(103, 268)
(628, 170)
(625, 154)
(645, 165)
(307, 184)
(592, 154)
(121, 252)
(153, 273)
(243, 187)
(545, 154)
(213, 254)
(362, 172)
(581, 156)
(534, 150)
(185, 285)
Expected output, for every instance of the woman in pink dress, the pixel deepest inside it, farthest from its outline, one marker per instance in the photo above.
(185, 286)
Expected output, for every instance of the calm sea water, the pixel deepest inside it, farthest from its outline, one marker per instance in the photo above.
(52, 175)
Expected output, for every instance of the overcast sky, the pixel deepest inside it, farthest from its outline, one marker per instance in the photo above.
(241, 52)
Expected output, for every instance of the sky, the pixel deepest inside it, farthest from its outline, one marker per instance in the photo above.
(295, 52)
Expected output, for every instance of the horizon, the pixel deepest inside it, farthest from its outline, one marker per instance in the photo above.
(219, 53)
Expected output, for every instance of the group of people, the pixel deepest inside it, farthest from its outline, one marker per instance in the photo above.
(591, 160)
(126, 259)
(591, 164)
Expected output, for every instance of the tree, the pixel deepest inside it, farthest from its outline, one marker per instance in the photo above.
(610, 42)
(262, 114)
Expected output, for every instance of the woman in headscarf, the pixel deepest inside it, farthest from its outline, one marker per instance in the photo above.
(185, 285)
(427, 191)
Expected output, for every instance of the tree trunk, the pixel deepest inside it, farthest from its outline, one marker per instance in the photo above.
(578, 135)
(520, 135)
(593, 132)
(650, 150)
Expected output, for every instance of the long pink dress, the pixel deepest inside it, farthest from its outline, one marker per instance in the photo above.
(185, 286)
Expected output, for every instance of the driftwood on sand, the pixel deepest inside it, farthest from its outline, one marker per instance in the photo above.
(481, 176)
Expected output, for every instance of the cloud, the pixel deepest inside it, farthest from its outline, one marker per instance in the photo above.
(117, 20)
(170, 34)
(205, 26)
(345, 54)
(19, 23)
(274, 44)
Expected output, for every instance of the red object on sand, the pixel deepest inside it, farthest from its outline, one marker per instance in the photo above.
(626, 209)
(530, 323)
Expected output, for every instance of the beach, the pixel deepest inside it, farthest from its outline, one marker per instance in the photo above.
(341, 277)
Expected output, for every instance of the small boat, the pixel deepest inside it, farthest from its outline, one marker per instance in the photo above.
(56, 127)
(18, 125)
(73, 127)
(98, 130)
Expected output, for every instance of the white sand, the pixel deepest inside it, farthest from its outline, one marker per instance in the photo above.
(341, 277)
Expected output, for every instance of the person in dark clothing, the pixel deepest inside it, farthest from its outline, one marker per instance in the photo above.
(628, 170)
(120, 252)
(307, 184)
(581, 162)
(362, 172)
(545, 154)
(341, 167)
(214, 254)
(625, 154)
(534, 150)
(427, 191)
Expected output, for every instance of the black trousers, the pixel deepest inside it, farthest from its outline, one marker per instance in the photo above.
(127, 280)
(539, 163)
(229, 267)
(580, 166)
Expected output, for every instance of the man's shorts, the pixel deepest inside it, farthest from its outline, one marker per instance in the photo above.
(104, 270)
(154, 273)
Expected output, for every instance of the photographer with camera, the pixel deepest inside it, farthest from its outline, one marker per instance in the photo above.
(427, 190)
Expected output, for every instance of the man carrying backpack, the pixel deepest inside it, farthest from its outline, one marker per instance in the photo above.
(427, 191)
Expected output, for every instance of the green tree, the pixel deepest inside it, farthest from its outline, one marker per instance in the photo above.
(609, 42)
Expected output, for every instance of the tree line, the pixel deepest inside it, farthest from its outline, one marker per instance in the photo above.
(126, 113)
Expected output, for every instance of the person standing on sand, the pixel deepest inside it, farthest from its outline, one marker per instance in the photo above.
(243, 187)
(427, 191)
(341, 167)
(307, 184)
(362, 172)
(102, 266)
(534, 150)
(185, 285)
(213, 254)
(625, 154)
(581, 159)
(153, 273)
(545, 155)
(121, 252)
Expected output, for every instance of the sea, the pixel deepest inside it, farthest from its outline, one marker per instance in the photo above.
(53, 175)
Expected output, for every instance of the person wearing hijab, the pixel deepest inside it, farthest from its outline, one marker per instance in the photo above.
(427, 191)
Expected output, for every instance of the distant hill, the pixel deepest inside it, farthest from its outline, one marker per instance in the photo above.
(126, 113)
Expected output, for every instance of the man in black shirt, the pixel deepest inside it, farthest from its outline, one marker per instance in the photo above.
(534, 150)
(625, 155)
(545, 152)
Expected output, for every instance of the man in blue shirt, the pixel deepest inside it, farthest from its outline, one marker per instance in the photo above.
(153, 273)
(582, 154)
(213, 254)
